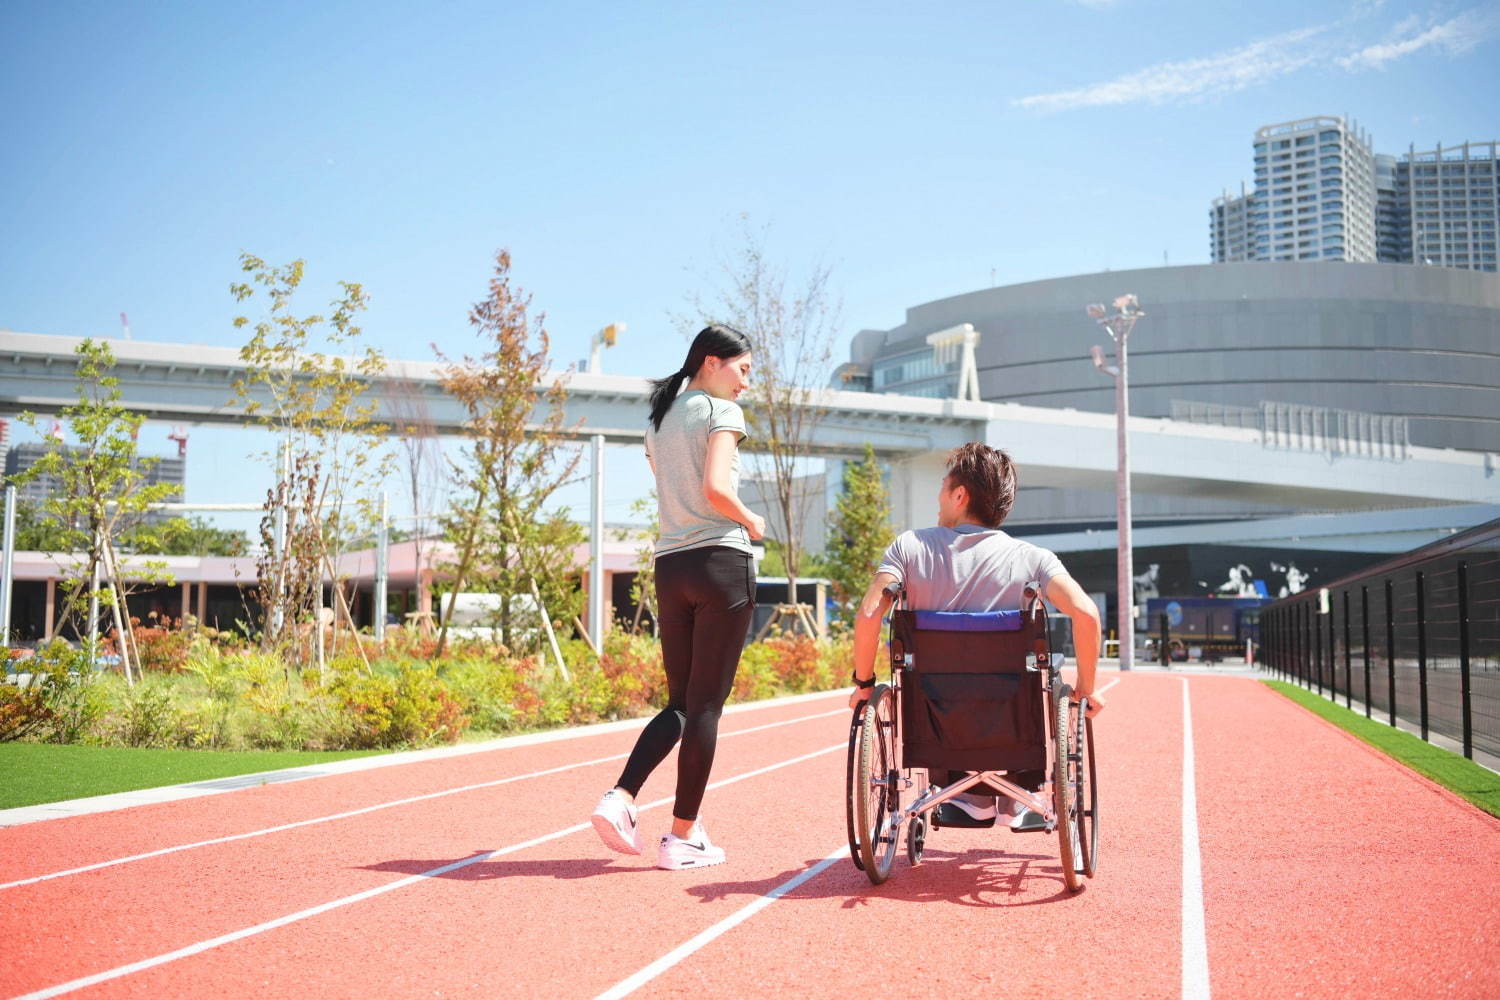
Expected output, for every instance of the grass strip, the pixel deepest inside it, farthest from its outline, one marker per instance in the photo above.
(1463, 777)
(34, 773)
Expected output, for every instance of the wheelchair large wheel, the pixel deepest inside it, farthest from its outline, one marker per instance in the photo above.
(1065, 791)
(1086, 790)
(876, 782)
(851, 768)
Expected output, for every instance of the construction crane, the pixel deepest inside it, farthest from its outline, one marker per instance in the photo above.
(180, 435)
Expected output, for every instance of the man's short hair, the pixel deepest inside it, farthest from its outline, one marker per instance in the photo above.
(990, 477)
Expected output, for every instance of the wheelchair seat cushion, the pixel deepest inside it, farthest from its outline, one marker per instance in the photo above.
(969, 621)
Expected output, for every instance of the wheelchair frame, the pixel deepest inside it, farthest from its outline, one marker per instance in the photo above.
(1067, 800)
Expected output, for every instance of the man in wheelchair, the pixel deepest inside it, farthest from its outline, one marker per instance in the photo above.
(966, 563)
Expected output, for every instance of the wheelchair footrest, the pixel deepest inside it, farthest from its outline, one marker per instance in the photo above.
(1030, 822)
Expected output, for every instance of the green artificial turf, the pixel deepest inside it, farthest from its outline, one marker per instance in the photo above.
(32, 773)
(1473, 782)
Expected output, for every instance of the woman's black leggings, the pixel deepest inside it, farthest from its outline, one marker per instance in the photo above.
(704, 601)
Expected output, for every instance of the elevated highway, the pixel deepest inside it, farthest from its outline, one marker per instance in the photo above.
(191, 383)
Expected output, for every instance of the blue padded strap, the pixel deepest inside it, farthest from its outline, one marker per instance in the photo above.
(969, 621)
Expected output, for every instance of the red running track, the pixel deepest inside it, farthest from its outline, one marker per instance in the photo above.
(1326, 871)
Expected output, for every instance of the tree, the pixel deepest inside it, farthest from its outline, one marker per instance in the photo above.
(185, 536)
(38, 531)
(417, 434)
(512, 464)
(643, 587)
(792, 331)
(860, 530)
(330, 453)
(104, 491)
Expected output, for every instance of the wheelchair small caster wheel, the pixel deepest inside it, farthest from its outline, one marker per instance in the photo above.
(916, 840)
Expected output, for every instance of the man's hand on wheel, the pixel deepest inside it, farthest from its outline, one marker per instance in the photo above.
(1096, 705)
(859, 696)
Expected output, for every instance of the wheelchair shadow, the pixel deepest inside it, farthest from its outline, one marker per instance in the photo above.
(975, 877)
(484, 871)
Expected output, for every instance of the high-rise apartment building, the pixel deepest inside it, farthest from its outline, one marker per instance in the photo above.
(1321, 194)
(1392, 241)
(1230, 233)
(1448, 200)
(1314, 191)
(22, 457)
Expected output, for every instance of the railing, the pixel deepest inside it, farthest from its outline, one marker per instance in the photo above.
(1416, 639)
(1298, 427)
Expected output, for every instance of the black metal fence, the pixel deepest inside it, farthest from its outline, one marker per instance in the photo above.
(1416, 638)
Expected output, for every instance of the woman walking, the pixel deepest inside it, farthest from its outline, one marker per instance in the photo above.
(705, 588)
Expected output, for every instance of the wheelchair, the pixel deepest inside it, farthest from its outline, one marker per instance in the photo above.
(979, 693)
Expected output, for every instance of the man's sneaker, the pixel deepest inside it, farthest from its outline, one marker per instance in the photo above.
(693, 851)
(614, 819)
(964, 812)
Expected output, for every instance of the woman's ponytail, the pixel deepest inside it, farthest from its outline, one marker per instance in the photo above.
(715, 340)
(663, 391)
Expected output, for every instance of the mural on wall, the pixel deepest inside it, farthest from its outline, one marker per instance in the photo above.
(1227, 571)
(1241, 583)
(1145, 584)
(1296, 580)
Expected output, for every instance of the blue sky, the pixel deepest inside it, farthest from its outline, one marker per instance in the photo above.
(919, 150)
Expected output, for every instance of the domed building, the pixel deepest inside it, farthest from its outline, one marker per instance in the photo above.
(1381, 350)
(1375, 358)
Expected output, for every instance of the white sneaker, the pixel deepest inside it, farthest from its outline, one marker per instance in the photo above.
(614, 819)
(976, 807)
(693, 851)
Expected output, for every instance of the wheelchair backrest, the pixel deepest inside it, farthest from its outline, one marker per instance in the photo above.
(971, 687)
(1011, 641)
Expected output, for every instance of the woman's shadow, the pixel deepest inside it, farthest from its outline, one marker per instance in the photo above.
(484, 871)
(976, 877)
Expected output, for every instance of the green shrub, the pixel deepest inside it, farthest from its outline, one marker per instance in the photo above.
(220, 676)
(78, 707)
(486, 689)
(59, 702)
(23, 711)
(632, 664)
(409, 708)
(149, 716)
(756, 676)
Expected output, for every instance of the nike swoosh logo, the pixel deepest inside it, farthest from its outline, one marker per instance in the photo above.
(696, 847)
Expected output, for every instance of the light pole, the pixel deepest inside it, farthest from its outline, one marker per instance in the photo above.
(604, 338)
(1119, 324)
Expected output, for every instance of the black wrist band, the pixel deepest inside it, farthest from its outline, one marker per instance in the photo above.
(864, 685)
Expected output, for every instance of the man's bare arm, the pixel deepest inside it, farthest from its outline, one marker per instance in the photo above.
(867, 631)
(1069, 598)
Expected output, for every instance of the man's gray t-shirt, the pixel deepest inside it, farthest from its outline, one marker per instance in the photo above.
(968, 568)
(678, 452)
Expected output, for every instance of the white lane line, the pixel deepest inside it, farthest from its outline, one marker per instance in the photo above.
(378, 806)
(632, 983)
(1194, 933)
(313, 911)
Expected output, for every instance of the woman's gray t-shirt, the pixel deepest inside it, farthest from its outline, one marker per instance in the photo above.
(678, 452)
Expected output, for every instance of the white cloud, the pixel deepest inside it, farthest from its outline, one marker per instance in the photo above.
(1192, 79)
(1455, 36)
(1280, 55)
